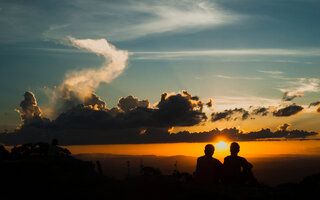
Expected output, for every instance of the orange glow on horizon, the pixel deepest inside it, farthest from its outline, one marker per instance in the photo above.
(247, 149)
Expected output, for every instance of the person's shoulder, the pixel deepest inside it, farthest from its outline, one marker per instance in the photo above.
(216, 160)
(227, 158)
(245, 162)
(201, 157)
(242, 159)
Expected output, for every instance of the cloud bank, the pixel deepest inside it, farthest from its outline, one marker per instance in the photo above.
(136, 121)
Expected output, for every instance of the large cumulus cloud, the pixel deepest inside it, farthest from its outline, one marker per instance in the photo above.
(30, 112)
(181, 109)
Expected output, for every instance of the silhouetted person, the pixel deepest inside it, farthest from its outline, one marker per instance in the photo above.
(237, 170)
(208, 170)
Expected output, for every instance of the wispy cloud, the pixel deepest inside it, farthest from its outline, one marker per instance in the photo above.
(172, 16)
(125, 20)
(153, 55)
(230, 102)
(238, 77)
(271, 72)
(300, 86)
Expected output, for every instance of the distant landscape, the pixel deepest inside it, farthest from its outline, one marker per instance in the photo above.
(271, 170)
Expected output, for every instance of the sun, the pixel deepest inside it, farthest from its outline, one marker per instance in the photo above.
(222, 145)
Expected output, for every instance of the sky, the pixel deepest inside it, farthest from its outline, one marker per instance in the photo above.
(240, 54)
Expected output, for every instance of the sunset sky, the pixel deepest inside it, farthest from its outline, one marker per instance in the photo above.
(241, 54)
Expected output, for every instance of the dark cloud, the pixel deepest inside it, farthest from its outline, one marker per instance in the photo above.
(135, 121)
(288, 111)
(261, 111)
(149, 135)
(94, 102)
(230, 114)
(243, 114)
(66, 99)
(289, 96)
(126, 122)
(314, 104)
(284, 127)
(278, 112)
(180, 110)
(30, 111)
(130, 103)
(172, 110)
(209, 104)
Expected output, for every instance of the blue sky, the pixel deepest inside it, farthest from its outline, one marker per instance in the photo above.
(239, 53)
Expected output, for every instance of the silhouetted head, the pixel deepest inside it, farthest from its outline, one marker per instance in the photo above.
(54, 142)
(234, 148)
(209, 149)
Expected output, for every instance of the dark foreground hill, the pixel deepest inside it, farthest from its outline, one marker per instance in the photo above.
(70, 178)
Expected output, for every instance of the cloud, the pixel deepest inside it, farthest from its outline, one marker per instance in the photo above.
(271, 72)
(135, 121)
(315, 104)
(78, 86)
(290, 95)
(94, 102)
(209, 104)
(251, 112)
(230, 114)
(130, 103)
(176, 16)
(181, 109)
(110, 18)
(284, 127)
(261, 111)
(30, 111)
(247, 101)
(241, 78)
(288, 110)
(159, 55)
(87, 80)
(303, 85)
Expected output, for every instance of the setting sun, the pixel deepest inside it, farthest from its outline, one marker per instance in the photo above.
(221, 145)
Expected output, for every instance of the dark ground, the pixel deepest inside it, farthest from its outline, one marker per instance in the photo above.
(30, 174)
(74, 179)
